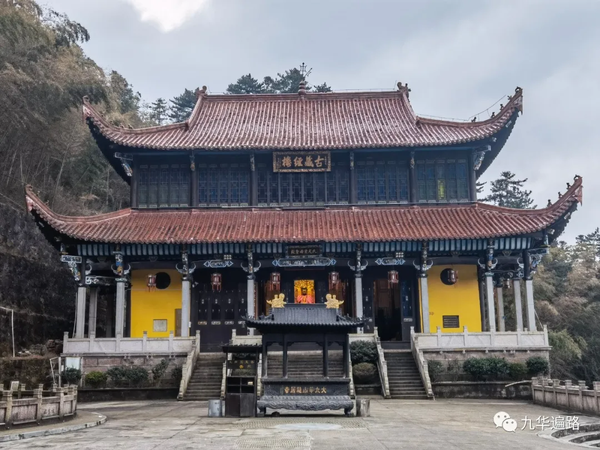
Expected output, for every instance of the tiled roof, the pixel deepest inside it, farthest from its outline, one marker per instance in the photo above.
(304, 315)
(349, 224)
(311, 121)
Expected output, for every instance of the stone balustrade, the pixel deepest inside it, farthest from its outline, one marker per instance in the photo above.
(129, 346)
(513, 340)
(567, 396)
(37, 409)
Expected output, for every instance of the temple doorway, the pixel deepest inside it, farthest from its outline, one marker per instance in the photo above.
(393, 309)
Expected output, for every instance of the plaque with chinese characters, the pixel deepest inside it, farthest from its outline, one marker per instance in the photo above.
(301, 162)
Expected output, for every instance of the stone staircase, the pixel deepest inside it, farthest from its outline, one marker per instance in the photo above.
(403, 376)
(305, 364)
(205, 383)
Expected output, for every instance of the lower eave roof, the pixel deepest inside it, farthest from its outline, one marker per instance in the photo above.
(340, 224)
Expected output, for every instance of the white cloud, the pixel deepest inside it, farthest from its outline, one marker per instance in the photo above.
(167, 14)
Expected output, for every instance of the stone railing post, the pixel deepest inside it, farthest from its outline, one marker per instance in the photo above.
(465, 336)
(38, 394)
(439, 336)
(171, 342)
(596, 395)
(582, 387)
(145, 342)
(61, 402)
(66, 342)
(7, 397)
(555, 386)
(568, 385)
(91, 341)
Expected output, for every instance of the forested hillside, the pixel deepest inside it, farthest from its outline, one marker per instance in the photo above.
(43, 76)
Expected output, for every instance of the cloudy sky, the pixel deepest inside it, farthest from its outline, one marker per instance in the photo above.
(459, 57)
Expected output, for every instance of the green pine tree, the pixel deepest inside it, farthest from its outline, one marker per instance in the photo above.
(509, 192)
(182, 106)
(286, 83)
(246, 84)
(158, 111)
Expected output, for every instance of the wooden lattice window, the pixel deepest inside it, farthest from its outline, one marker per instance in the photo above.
(223, 184)
(165, 185)
(382, 181)
(442, 180)
(303, 189)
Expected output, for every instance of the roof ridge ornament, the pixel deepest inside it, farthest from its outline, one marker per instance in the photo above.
(302, 89)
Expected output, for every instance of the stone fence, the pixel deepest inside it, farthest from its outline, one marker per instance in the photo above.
(37, 409)
(566, 396)
(143, 345)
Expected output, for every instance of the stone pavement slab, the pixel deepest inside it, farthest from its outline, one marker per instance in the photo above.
(394, 424)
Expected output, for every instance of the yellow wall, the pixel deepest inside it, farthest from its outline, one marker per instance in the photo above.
(146, 306)
(460, 299)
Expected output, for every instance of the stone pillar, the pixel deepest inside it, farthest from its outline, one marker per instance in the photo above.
(500, 301)
(186, 293)
(527, 270)
(359, 296)
(251, 270)
(518, 305)
(250, 301)
(425, 302)
(423, 267)
(121, 270)
(120, 308)
(93, 313)
(489, 283)
(530, 307)
(186, 270)
(80, 309)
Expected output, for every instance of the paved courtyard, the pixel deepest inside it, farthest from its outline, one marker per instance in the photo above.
(394, 424)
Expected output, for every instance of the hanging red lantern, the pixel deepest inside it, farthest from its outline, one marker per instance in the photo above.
(334, 279)
(216, 280)
(275, 281)
(392, 278)
(151, 283)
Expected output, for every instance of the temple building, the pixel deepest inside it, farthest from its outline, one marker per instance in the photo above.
(304, 195)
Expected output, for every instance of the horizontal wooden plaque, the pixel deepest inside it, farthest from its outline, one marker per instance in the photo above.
(301, 162)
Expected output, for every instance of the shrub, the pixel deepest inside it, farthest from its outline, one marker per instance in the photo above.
(177, 374)
(537, 365)
(128, 376)
(498, 369)
(364, 373)
(363, 352)
(435, 369)
(96, 379)
(71, 376)
(454, 369)
(477, 368)
(517, 370)
(486, 369)
(159, 371)
(137, 376)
